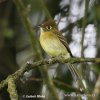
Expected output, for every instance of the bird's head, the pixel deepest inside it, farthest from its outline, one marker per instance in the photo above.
(49, 25)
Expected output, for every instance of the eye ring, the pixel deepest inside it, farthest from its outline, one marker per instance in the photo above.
(49, 27)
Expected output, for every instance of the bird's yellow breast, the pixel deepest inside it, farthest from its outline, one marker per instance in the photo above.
(52, 45)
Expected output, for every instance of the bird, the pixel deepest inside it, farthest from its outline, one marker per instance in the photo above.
(55, 45)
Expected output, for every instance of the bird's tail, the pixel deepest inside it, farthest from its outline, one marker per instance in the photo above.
(74, 71)
(76, 75)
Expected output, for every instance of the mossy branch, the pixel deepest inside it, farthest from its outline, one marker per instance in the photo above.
(30, 66)
(12, 89)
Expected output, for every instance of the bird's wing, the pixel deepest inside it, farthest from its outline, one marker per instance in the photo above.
(62, 39)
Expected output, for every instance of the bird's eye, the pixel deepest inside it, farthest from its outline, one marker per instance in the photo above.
(49, 27)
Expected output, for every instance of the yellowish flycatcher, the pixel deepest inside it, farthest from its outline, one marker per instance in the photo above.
(54, 44)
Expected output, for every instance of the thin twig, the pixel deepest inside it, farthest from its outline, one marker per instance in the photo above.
(45, 10)
(57, 82)
(83, 26)
(83, 35)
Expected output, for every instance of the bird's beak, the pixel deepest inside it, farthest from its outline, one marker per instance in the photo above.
(37, 27)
